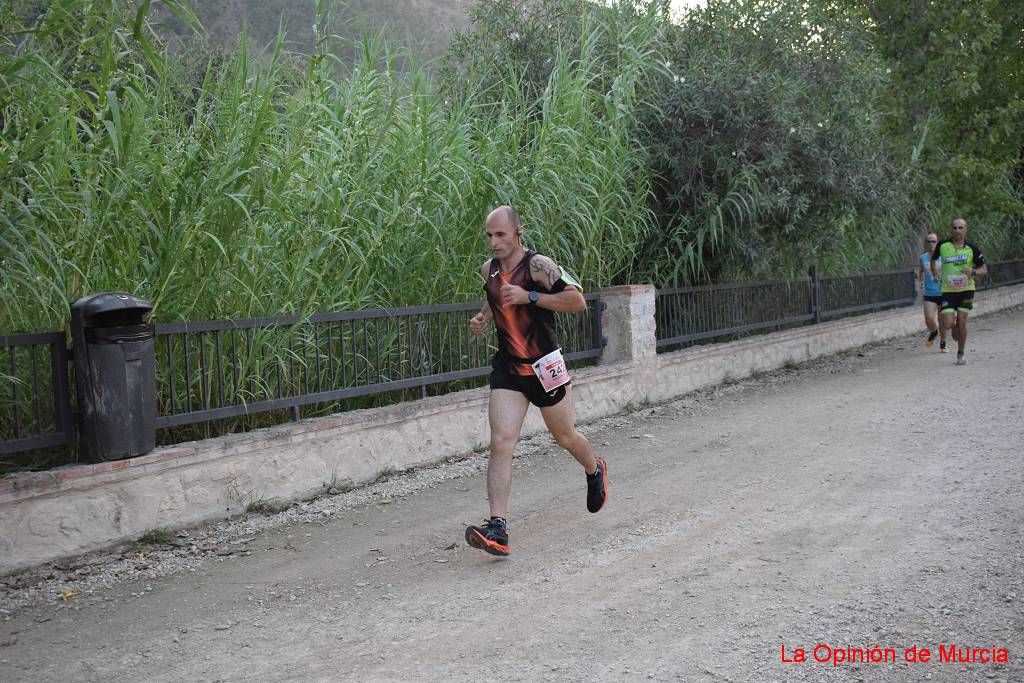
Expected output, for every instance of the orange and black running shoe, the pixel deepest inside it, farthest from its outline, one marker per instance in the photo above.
(492, 537)
(597, 486)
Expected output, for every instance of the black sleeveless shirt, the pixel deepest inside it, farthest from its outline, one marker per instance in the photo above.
(526, 332)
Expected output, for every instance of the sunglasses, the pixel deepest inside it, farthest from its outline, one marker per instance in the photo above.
(959, 227)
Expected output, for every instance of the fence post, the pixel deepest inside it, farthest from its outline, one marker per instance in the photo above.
(628, 324)
(815, 292)
(60, 358)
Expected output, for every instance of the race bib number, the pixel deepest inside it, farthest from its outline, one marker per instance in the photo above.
(551, 370)
(957, 281)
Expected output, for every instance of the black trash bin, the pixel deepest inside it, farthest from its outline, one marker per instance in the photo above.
(115, 375)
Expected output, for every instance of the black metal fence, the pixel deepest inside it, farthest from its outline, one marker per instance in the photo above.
(686, 315)
(690, 315)
(229, 368)
(223, 369)
(1004, 273)
(847, 294)
(35, 401)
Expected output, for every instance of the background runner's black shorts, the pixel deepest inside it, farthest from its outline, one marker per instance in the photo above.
(958, 301)
(528, 385)
(934, 299)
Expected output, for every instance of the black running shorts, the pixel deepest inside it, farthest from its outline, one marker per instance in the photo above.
(937, 300)
(527, 385)
(957, 301)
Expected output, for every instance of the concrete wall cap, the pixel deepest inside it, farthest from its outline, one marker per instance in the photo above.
(627, 289)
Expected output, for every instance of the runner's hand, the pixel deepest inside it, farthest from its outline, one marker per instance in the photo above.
(512, 295)
(478, 324)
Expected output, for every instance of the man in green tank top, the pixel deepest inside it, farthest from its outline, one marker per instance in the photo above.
(956, 263)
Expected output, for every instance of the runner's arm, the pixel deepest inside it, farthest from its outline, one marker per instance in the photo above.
(569, 300)
(937, 263)
(979, 267)
(561, 297)
(485, 309)
(478, 323)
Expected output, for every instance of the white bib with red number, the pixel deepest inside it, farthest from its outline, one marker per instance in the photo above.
(551, 370)
(957, 281)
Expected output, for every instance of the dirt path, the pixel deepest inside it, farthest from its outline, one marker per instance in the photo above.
(824, 505)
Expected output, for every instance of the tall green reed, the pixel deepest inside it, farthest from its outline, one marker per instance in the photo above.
(264, 191)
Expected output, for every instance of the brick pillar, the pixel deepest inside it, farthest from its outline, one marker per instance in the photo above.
(628, 324)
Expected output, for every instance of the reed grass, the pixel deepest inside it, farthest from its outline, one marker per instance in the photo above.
(263, 191)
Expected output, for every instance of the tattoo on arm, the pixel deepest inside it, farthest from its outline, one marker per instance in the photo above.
(551, 272)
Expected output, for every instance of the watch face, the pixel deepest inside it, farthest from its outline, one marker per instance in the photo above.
(533, 297)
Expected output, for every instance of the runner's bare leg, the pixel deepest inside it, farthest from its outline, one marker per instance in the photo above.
(961, 331)
(506, 411)
(931, 317)
(561, 422)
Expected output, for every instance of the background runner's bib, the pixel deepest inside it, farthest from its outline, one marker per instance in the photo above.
(551, 370)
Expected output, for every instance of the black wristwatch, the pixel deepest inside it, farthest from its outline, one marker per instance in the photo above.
(534, 297)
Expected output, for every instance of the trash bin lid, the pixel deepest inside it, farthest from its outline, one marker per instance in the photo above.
(95, 304)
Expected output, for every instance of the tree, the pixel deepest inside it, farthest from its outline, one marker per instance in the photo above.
(957, 90)
(767, 147)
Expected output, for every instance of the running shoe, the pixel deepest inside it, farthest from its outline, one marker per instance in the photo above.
(942, 347)
(597, 486)
(930, 341)
(960, 360)
(491, 538)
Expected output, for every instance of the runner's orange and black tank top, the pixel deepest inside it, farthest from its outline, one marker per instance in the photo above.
(526, 332)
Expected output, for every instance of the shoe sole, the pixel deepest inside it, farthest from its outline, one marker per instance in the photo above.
(477, 540)
(604, 484)
(929, 344)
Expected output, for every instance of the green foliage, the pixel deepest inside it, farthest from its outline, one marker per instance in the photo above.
(756, 171)
(514, 39)
(529, 52)
(577, 103)
(744, 141)
(226, 191)
(957, 94)
(158, 536)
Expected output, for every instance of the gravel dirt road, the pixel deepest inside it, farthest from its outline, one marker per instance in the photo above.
(873, 498)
